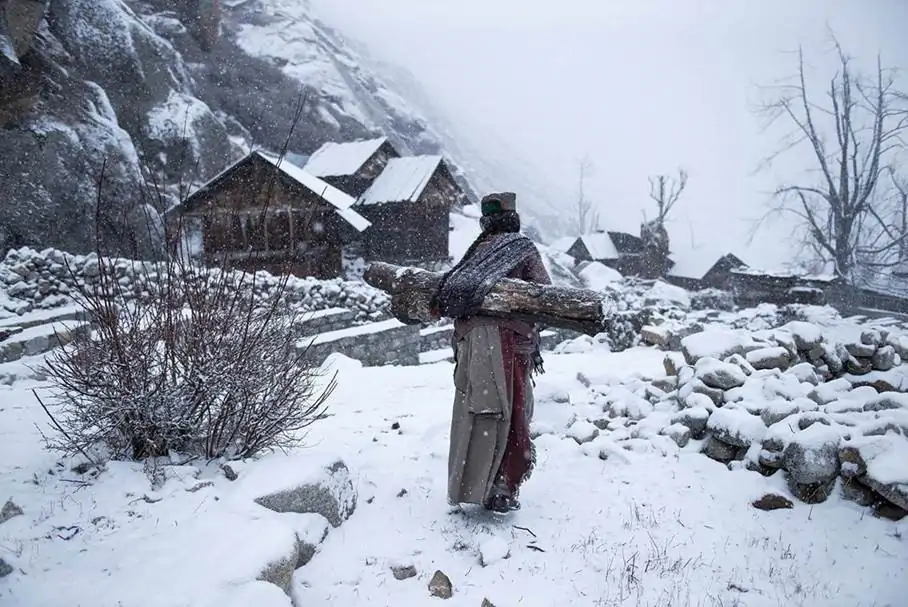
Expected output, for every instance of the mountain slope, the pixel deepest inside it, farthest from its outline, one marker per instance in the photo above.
(128, 87)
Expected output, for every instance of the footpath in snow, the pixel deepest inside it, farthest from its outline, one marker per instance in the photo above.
(610, 517)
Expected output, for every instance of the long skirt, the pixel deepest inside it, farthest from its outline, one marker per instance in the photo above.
(490, 449)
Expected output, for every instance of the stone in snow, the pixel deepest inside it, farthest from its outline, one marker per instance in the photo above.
(715, 343)
(860, 350)
(5, 568)
(694, 419)
(583, 431)
(696, 386)
(717, 374)
(769, 358)
(829, 391)
(805, 373)
(812, 455)
(678, 432)
(884, 359)
(10, 510)
(655, 336)
(772, 501)
(719, 450)
(736, 427)
(776, 410)
(440, 586)
(740, 361)
(806, 334)
(881, 463)
(331, 494)
(403, 572)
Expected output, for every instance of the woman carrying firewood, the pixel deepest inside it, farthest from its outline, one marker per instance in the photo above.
(491, 454)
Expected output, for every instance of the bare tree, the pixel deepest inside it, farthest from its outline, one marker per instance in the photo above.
(666, 190)
(586, 216)
(851, 140)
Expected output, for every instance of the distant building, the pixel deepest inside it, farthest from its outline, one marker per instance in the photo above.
(264, 214)
(618, 250)
(696, 270)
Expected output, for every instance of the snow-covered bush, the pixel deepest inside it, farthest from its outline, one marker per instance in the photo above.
(204, 364)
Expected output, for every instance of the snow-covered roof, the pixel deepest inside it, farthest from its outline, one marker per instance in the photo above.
(403, 179)
(600, 246)
(693, 263)
(336, 159)
(563, 244)
(339, 200)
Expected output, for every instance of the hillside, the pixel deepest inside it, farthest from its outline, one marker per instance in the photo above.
(144, 91)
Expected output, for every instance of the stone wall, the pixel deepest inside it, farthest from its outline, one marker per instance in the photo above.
(325, 321)
(374, 344)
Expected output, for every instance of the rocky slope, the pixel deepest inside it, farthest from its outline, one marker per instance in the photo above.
(167, 92)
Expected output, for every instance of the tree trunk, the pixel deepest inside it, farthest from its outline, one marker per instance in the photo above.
(412, 289)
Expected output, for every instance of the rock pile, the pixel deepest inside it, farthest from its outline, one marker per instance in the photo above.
(47, 279)
(798, 400)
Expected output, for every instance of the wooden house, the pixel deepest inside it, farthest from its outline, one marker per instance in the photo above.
(265, 213)
(351, 166)
(409, 206)
(618, 250)
(695, 270)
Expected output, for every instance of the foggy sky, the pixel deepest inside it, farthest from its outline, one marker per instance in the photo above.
(640, 86)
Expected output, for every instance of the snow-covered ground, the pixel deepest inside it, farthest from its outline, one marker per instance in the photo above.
(650, 524)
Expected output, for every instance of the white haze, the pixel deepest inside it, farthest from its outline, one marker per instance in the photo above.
(641, 86)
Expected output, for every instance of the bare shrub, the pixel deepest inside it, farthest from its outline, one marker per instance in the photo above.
(203, 363)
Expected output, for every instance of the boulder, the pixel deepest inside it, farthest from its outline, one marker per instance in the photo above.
(440, 586)
(805, 373)
(806, 335)
(715, 343)
(719, 375)
(329, 492)
(697, 387)
(655, 336)
(5, 568)
(884, 359)
(880, 463)
(694, 419)
(769, 358)
(740, 361)
(812, 455)
(859, 350)
(720, 450)
(777, 410)
(678, 432)
(736, 427)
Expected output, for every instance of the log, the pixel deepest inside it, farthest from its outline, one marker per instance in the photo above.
(412, 290)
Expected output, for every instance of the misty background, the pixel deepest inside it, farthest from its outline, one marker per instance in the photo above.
(639, 88)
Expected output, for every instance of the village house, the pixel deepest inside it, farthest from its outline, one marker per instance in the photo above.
(358, 199)
(351, 166)
(618, 250)
(407, 199)
(695, 270)
(265, 213)
(409, 206)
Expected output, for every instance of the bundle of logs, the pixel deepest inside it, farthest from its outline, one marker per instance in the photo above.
(412, 291)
